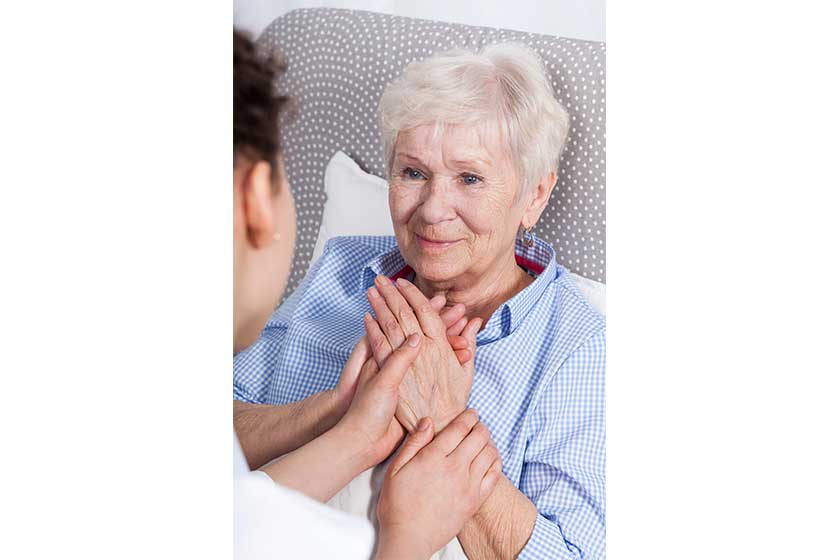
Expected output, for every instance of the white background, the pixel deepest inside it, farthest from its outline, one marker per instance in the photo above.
(579, 19)
(115, 224)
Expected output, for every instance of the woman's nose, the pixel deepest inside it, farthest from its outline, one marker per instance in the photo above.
(438, 204)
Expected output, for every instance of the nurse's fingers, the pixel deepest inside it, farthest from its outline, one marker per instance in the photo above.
(414, 443)
(449, 438)
(483, 461)
(350, 374)
(471, 446)
(369, 371)
(393, 370)
(488, 483)
(380, 347)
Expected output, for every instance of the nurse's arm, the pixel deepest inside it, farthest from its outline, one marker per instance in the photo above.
(268, 431)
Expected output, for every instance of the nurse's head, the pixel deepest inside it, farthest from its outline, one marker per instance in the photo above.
(263, 209)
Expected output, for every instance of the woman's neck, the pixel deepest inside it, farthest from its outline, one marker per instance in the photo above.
(484, 296)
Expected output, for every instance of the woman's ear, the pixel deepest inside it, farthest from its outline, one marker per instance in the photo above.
(258, 202)
(537, 199)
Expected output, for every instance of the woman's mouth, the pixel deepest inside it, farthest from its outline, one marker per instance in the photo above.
(435, 245)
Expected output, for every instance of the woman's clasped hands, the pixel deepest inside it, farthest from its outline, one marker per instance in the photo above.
(374, 379)
(438, 382)
(414, 369)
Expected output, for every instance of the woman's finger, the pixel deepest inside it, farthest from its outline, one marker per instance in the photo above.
(458, 342)
(414, 443)
(452, 315)
(380, 347)
(428, 319)
(387, 321)
(457, 327)
(461, 347)
(463, 356)
(471, 332)
(438, 302)
(399, 307)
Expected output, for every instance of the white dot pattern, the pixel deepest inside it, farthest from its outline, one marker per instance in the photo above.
(341, 60)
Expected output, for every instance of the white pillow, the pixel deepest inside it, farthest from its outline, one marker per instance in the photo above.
(357, 204)
(594, 292)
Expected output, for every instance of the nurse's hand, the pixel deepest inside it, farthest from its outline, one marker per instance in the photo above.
(269, 431)
(434, 486)
(369, 424)
(362, 438)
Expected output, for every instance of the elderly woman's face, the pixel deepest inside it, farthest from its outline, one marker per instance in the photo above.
(453, 199)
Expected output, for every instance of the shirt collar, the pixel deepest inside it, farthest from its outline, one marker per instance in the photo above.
(539, 259)
(390, 264)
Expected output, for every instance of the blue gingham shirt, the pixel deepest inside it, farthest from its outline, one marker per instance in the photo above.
(538, 387)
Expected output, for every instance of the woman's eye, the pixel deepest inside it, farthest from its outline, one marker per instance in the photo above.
(413, 174)
(471, 179)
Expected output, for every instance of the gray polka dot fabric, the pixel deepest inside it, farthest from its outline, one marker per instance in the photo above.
(339, 62)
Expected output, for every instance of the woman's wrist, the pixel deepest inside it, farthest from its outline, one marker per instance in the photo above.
(328, 409)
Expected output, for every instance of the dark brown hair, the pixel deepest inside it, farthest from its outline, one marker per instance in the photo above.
(256, 104)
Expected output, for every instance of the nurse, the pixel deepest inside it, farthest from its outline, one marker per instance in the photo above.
(434, 484)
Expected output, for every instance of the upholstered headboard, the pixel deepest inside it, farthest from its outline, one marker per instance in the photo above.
(341, 60)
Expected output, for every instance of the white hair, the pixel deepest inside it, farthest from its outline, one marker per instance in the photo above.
(504, 84)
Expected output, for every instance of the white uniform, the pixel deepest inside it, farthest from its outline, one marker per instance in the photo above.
(270, 521)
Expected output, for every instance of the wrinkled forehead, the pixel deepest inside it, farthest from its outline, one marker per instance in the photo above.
(480, 142)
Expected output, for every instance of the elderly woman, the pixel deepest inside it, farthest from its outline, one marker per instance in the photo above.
(472, 143)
